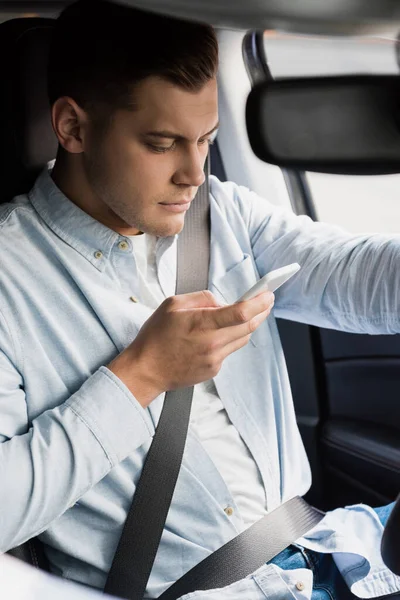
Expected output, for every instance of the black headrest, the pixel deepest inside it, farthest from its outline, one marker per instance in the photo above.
(27, 140)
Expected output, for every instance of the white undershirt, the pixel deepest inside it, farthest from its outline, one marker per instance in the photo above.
(209, 419)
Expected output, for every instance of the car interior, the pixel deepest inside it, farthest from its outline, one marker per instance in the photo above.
(344, 385)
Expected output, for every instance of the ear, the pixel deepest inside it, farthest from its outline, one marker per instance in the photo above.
(70, 123)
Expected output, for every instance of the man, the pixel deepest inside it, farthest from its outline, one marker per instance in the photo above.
(89, 343)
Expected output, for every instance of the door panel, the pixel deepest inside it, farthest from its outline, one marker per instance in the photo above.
(361, 459)
(360, 439)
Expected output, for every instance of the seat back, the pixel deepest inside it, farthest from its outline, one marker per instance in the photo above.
(27, 140)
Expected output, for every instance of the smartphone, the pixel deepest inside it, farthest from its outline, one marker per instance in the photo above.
(271, 281)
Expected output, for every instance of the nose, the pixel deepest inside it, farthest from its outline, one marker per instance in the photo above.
(191, 168)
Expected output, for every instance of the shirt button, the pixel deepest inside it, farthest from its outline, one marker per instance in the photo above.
(123, 245)
(229, 511)
(134, 299)
(98, 254)
(300, 586)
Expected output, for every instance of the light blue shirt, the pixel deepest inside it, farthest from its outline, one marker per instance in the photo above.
(74, 437)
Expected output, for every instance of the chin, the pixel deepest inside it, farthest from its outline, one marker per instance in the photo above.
(165, 229)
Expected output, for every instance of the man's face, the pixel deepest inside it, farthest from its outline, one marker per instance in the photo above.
(151, 158)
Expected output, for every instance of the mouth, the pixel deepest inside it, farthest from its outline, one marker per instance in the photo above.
(180, 203)
(181, 206)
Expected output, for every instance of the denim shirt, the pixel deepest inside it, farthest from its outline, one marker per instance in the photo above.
(75, 438)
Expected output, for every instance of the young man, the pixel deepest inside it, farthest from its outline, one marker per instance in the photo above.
(89, 343)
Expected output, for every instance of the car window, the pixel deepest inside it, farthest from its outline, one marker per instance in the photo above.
(359, 204)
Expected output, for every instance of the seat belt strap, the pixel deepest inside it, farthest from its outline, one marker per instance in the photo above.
(145, 522)
(248, 551)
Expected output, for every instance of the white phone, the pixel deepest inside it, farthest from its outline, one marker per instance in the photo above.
(271, 281)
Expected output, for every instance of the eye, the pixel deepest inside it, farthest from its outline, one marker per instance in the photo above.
(209, 141)
(160, 149)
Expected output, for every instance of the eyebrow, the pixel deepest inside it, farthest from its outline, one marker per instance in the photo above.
(175, 136)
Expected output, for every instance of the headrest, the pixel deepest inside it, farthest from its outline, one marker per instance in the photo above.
(27, 140)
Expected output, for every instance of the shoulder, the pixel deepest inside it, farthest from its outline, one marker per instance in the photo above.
(19, 225)
(239, 201)
(15, 214)
(232, 199)
(228, 192)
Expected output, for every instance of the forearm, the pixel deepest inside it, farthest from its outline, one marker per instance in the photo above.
(67, 451)
(351, 284)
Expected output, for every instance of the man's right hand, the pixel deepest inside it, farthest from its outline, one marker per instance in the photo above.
(185, 342)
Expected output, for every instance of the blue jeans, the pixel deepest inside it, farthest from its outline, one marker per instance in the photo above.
(328, 583)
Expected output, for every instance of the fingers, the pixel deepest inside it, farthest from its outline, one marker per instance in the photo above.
(219, 326)
(202, 299)
(236, 333)
(240, 313)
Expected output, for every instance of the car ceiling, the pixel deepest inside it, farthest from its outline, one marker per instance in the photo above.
(335, 17)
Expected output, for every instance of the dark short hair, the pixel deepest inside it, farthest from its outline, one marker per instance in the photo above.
(100, 50)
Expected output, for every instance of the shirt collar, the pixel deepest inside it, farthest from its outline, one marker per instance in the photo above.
(91, 239)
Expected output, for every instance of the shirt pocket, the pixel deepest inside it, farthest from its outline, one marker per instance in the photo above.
(233, 284)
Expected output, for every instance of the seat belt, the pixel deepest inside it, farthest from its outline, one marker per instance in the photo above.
(136, 551)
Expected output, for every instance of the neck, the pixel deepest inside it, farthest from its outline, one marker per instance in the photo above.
(68, 175)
